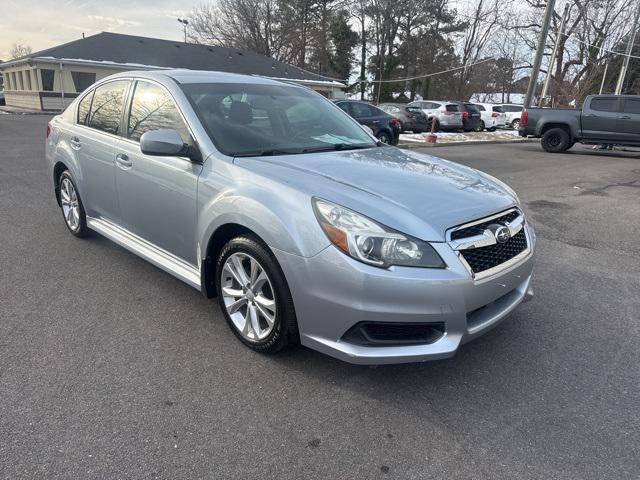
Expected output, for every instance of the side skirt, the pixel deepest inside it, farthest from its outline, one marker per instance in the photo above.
(153, 254)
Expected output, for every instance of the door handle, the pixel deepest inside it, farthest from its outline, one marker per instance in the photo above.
(376, 121)
(588, 115)
(75, 143)
(123, 161)
(624, 117)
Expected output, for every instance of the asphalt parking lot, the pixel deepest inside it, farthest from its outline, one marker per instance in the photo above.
(111, 368)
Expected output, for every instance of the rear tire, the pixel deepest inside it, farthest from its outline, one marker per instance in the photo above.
(515, 124)
(384, 137)
(264, 318)
(71, 206)
(556, 140)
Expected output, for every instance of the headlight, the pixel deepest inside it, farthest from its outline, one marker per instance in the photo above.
(368, 241)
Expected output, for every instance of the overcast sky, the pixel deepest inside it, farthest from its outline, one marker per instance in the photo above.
(45, 23)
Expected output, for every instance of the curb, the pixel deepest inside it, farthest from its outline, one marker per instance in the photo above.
(462, 144)
(18, 112)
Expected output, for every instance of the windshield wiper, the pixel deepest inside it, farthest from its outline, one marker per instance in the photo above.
(265, 153)
(337, 146)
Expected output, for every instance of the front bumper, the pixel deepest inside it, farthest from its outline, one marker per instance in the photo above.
(332, 292)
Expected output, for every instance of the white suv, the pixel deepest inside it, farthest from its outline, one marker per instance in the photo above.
(513, 113)
(446, 114)
(492, 116)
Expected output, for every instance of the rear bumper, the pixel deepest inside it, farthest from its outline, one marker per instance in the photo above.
(333, 292)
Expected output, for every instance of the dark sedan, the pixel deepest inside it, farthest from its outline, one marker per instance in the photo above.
(410, 117)
(471, 118)
(385, 127)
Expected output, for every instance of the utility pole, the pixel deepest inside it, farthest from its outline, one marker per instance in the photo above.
(537, 60)
(552, 60)
(184, 23)
(625, 63)
(604, 76)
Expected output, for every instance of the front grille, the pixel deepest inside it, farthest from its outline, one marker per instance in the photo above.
(484, 258)
(480, 227)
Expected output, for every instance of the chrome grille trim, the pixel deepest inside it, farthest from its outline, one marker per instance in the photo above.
(487, 238)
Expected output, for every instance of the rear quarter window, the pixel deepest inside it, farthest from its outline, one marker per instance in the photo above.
(604, 104)
(452, 108)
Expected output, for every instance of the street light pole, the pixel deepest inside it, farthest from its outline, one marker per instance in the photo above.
(542, 40)
(625, 62)
(552, 60)
(184, 23)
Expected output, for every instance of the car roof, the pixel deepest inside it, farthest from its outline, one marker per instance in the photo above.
(200, 76)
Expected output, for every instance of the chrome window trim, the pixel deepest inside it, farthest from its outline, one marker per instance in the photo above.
(486, 239)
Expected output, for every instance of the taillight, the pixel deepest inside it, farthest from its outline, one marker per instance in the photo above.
(494, 114)
(524, 117)
(48, 130)
(465, 114)
(394, 121)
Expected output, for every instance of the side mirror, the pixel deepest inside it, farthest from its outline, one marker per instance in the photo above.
(164, 143)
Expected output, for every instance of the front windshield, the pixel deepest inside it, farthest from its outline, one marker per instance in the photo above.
(258, 119)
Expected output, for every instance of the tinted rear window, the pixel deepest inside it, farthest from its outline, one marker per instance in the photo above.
(632, 105)
(452, 108)
(606, 104)
(107, 106)
(497, 109)
(414, 109)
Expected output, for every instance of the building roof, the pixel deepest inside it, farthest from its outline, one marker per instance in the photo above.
(133, 52)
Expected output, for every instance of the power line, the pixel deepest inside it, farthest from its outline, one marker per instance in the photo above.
(600, 48)
(427, 74)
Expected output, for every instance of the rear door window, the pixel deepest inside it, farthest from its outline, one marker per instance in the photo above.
(107, 106)
(632, 105)
(152, 108)
(604, 104)
(360, 110)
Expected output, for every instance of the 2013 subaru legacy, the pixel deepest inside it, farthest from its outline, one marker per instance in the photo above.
(307, 229)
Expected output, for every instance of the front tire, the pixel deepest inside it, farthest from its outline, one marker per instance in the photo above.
(71, 206)
(254, 296)
(555, 140)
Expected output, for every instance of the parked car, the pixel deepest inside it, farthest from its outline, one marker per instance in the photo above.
(603, 120)
(410, 118)
(385, 127)
(471, 120)
(305, 227)
(492, 117)
(513, 114)
(445, 114)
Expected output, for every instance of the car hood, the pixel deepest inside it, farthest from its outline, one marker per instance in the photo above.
(417, 194)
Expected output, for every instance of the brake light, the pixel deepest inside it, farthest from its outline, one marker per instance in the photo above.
(465, 114)
(524, 117)
(494, 114)
(394, 121)
(48, 130)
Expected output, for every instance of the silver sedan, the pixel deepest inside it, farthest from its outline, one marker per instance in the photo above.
(306, 229)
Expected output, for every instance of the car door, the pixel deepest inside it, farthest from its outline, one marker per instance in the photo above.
(95, 138)
(157, 195)
(365, 115)
(628, 123)
(600, 119)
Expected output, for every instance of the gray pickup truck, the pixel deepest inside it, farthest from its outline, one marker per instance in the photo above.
(603, 120)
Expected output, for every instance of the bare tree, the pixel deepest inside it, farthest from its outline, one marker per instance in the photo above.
(18, 51)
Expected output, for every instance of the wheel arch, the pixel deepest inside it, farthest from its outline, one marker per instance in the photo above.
(58, 168)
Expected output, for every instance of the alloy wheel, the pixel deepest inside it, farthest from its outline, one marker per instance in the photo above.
(248, 296)
(70, 204)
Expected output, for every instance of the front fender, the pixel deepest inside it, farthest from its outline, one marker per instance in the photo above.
(280, 215)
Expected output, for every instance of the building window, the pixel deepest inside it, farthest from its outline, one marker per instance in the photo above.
(83, 80)
(47, 79)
